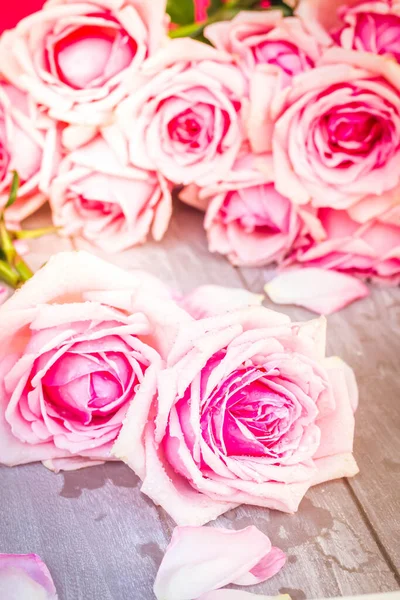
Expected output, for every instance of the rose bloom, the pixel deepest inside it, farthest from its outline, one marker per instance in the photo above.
(369, 251)
(271, 50)
(248, 410)
(24, 137)
(369, 26)
(247, 219)
(185, 122)
(336, 139)
(267, 38)
(97, 197)
(74, 57)
(78, 343)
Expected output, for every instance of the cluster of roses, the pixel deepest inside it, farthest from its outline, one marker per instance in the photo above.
(287, 131)
(212, 404)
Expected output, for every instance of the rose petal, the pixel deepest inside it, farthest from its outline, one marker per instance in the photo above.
(200, 559)
(212, 300)
(319, 290)
(25, 576)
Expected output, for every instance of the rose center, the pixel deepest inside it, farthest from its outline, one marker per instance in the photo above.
(91, 54)
(353, 131)
(186, 129)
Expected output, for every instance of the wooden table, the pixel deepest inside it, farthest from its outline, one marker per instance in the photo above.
(103, 540)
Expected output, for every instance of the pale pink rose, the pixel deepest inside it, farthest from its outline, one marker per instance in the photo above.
(98, 197)
(75, 57)
(249, 411)
(186, 121)
(79, 342)
(267, 38)
(25, 577)
(271, 50)
(336, 137)
(247, 219)
(201, 559)
(3, 294)
(370, 250)
(24, 136)
(366, 25)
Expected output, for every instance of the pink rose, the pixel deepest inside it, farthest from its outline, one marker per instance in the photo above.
(247, 219)
(98, 197)
(78, 343)
(371, 250)
(75, 57)
(371, 26)
(266, 38)
(366, 25)
(336, 138)
(24, 135)
(271, 50)
(248, 410)
(186, 121)
(25, 576)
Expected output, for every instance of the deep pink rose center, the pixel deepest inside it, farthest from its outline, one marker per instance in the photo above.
(91, 54)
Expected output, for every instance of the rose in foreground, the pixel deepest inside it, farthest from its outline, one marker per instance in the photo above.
(369, 251)
(23, 139)
(96, 196)
(25, 576)
(75, 57)
(201, 559)
(247, 219)
(346, 115)
(248, 410)
(78, 343)
(186, 121)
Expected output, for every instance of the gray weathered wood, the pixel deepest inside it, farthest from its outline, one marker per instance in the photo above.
(104, 540)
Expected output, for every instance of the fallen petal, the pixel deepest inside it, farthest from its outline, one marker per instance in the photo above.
(201, 559)
(319, 290)
(24, 576)
(212, 300)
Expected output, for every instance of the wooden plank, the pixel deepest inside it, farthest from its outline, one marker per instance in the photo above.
(367, 335)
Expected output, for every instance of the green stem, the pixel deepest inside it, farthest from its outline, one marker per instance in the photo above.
(22, 269)
(8, 275)
(225, 13)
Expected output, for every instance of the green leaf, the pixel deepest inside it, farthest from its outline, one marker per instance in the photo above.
(191, 30)
(181, 11)
(13, 190)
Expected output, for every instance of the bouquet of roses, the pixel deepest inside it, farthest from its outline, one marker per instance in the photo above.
(285, 130)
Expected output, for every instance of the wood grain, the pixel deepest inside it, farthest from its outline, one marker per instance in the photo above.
(102, 539)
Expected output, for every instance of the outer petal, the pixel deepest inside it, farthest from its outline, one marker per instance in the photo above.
(200, 559)
(25, 576)
(212, 300)
(321, 291)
